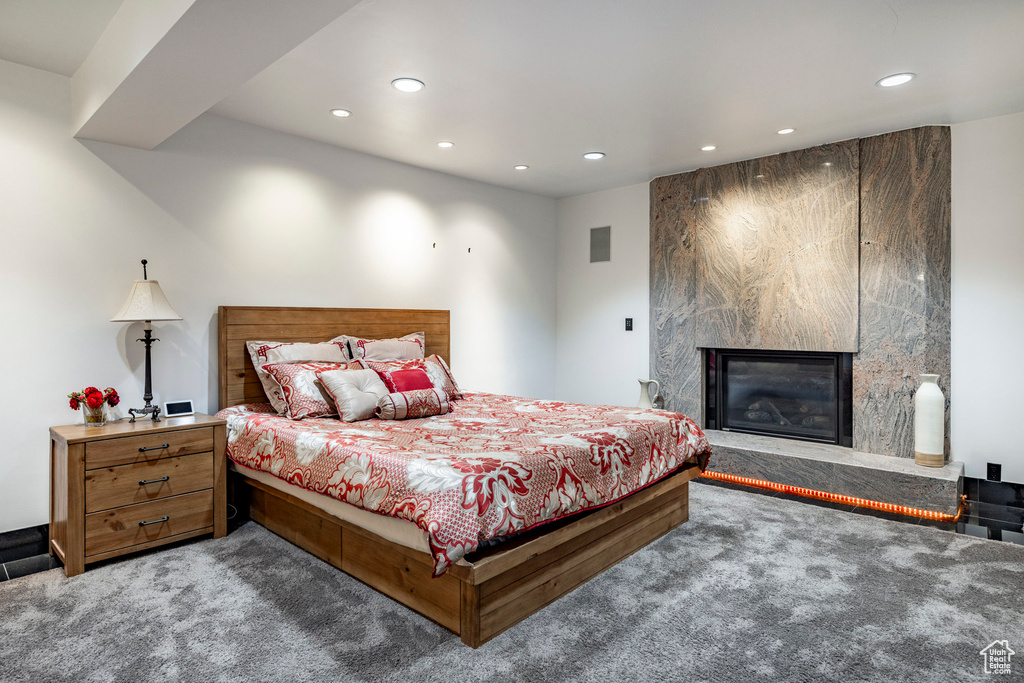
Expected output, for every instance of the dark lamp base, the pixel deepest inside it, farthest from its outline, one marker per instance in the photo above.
(137, 412)
(148, 396)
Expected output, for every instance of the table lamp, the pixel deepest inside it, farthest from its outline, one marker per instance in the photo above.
(145, 303)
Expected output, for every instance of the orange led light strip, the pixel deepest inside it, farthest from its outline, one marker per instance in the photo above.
(835, 497)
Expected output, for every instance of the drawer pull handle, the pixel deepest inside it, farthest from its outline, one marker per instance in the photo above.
(155, 521)
(153, 481)
(143, 449)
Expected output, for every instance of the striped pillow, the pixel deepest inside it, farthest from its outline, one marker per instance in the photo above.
(409, 405)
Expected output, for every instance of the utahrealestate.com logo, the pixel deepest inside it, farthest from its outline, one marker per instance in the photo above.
(997, 657)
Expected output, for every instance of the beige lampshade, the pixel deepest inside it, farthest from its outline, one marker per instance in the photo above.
(146, 301)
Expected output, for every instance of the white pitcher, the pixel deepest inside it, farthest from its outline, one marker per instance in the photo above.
(645, 394)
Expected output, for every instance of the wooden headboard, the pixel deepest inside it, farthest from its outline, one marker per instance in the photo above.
(239, 324)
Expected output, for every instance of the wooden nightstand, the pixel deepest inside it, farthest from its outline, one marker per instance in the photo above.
(126, 487)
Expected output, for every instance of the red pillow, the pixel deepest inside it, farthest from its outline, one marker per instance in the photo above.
(406, 380)
(435, 367)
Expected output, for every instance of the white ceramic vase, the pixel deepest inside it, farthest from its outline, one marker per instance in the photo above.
(646, 401)
(929, 423)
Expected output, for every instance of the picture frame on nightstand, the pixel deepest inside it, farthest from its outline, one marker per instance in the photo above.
(180, 408)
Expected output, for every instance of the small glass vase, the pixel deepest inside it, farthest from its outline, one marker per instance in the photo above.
(94, 417)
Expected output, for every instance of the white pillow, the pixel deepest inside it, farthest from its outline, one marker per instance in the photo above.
(268, 352)
(355, 392)
(409, 347)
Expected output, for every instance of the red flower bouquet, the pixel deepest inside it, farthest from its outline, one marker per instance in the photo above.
(94, 398)
(91, 401)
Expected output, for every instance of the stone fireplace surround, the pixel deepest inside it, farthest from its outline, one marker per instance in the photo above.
(842, 247)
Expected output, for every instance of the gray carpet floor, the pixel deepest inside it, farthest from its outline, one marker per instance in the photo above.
(752, 588)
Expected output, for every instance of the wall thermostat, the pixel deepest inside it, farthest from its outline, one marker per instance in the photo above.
(178, 408)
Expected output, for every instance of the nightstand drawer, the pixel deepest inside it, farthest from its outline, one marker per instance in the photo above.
(112, 487)
(143, 523)
(147, 447)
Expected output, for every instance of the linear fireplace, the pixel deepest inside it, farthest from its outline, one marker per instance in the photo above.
(794, 394)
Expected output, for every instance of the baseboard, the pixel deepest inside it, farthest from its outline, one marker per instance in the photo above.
(21, 543)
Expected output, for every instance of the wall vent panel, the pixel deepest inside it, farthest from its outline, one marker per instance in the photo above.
(600, 244)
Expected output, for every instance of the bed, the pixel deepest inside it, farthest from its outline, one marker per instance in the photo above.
(475, 591)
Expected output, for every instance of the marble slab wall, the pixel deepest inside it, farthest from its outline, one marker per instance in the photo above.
(776, 251)
(899, 313)
(675, 358)
(904, 284)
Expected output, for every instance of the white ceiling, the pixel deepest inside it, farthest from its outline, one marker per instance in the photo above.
(52, 35)
(540, 82)
(649, 82)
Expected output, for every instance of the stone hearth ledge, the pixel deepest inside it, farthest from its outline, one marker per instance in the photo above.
(835, 469)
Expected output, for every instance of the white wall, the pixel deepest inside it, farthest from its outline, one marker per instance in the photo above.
(232, 214)
(598, 361)
(988, 295)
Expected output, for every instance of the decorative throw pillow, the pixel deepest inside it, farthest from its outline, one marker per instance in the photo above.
(411, 346)
(303, 394)
(355, 392)
(268, 352)
(409, 405)
(442, 377)
(437, 370)
(406, 380)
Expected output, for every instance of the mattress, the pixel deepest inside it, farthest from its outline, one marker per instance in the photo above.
(495, 466)
(395, 530)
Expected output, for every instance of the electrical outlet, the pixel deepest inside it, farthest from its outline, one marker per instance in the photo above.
(995, 472)
(629, 324)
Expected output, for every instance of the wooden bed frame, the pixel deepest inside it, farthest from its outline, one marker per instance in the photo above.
(476, 600)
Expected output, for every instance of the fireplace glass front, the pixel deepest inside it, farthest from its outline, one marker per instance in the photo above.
(798, 395)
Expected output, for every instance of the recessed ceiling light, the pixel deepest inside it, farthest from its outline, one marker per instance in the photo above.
(407, 84)
(520, 167)
(787, 131)
(594, 155)
(341, 113)
(708, 148)
(895, 79)
(445, 144)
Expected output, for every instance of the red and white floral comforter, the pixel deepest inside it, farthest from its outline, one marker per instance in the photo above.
(496, 465)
